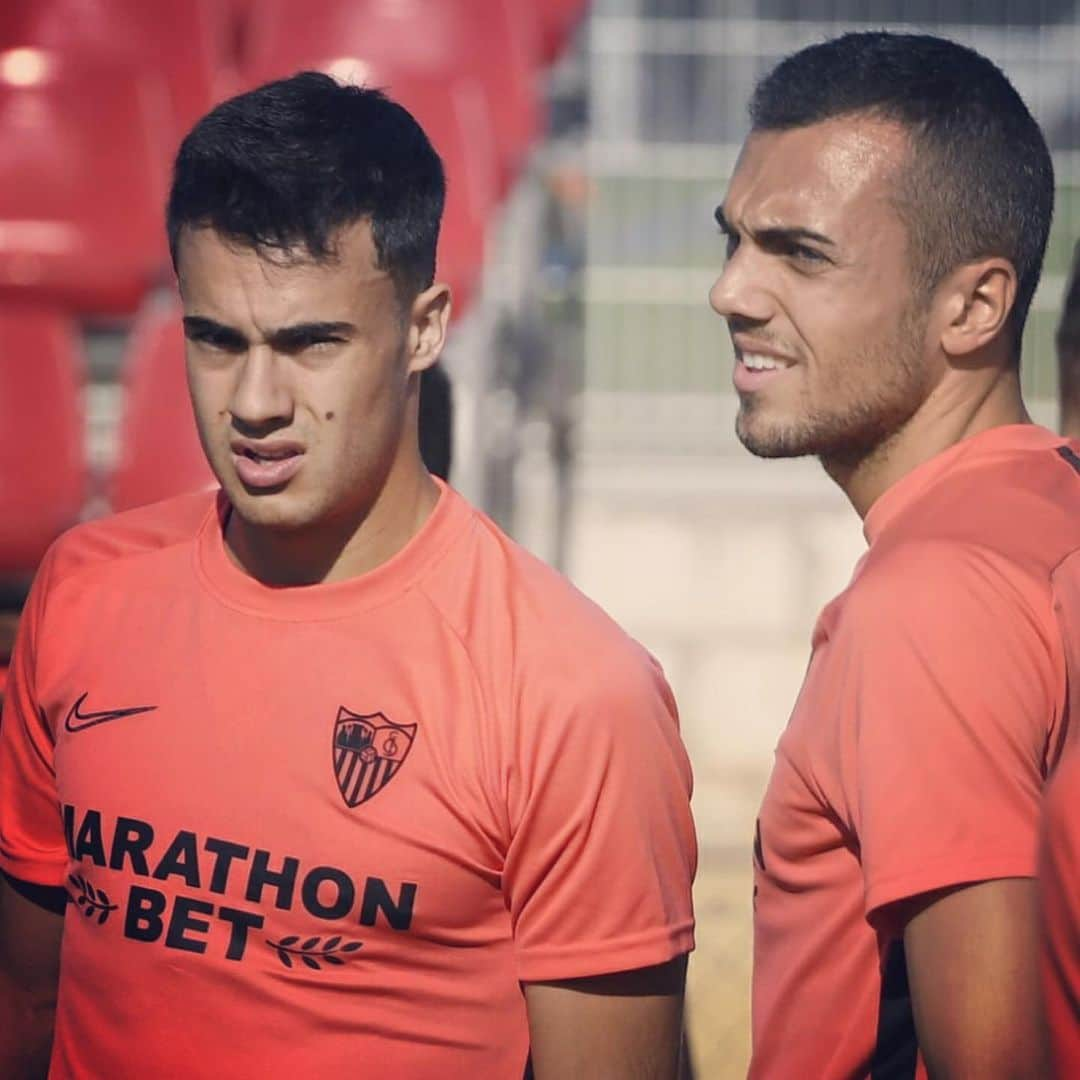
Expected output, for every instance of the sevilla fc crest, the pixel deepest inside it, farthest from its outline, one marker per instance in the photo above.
(368, 752)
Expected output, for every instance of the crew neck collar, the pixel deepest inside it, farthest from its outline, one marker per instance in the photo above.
(910, 487)
(339, 599)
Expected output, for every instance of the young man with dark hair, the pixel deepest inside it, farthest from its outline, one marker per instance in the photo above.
(885, 225)
(338, 779)
(1068, 353)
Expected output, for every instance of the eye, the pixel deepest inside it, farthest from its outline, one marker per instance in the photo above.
(321, 344)
(217, 342)
(802, 255)
(730, 238)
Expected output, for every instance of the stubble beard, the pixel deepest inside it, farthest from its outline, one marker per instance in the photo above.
(878, 392)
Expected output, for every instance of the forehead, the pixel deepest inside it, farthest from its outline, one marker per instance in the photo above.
(826, 177)
(231, 282)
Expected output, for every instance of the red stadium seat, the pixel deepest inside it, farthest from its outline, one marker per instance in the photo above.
(454, 114)
(159, 450)
(42, 472)
(187, 43)
(455, 120)
(82, 182)
(558, 20)
(495, 42)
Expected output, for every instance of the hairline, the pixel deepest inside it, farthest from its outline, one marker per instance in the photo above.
(299, 253)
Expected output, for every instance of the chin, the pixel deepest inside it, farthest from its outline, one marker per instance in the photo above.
(773, 440)
(272, 510)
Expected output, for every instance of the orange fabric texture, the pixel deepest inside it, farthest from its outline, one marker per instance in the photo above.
(321, 830)
(1059, 879)
(930, 716)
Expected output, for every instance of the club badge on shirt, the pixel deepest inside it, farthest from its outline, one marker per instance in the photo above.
(369, 750)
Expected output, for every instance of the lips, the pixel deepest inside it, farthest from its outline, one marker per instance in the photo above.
(753, 371)
(266, 465)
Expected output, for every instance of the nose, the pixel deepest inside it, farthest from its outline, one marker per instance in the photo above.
(261, 399)
(741, 292)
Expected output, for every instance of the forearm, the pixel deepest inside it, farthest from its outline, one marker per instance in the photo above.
(972, 957)
(26, 1032)
(626, 1026)
(31, 928)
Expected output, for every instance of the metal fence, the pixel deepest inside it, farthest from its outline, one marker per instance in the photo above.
(668, 82)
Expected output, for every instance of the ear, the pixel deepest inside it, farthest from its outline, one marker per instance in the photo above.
(428, 319)
(978, 299)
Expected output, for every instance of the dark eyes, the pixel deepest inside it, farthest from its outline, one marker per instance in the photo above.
(806, 254)
(230, 344)
(221, 342)
(788, 249)
(730, 238)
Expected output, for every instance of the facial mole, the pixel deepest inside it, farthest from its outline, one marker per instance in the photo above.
(330, 415)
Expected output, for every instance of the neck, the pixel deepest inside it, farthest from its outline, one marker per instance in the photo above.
(340, 549)
(950, 414)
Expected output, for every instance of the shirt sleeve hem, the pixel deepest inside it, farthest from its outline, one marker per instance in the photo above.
(580, 961)
(946, 872)
(35, 871)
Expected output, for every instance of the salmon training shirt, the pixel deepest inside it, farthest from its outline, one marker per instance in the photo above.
(1059, 889)
(329, 830)
(933, 710)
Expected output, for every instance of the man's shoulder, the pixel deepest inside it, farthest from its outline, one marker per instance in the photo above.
(120, 539)
(507, 604)
(1023, 505)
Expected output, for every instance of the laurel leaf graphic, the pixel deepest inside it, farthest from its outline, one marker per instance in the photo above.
(101, 895)
(332, 944)
(88, 910)
(284, 957)
(311, 962)
(91, 892)
(330, 958)
(310, 943)
(74, 880)
(81, 901)
(352, 946)
(292, 939)
(103, 916)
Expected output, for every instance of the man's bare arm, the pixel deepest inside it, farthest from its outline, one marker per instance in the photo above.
(626, 1026)
(31, 926)
(973, 970)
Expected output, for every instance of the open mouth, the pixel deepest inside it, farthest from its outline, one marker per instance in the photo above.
(754, 371)
(760, 362)
(267, 455)
(261, 467)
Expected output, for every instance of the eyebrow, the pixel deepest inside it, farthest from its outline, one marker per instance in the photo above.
(777, 234)
(285, 338)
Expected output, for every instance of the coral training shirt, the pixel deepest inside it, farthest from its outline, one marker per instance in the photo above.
(1059, 879)
(931, 714)
(326, 830)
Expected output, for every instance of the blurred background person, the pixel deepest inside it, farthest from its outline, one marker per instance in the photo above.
(1068, 352)
(437, 421)
(593, 405)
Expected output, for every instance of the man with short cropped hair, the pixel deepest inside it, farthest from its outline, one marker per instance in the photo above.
(885, 224)
(337, 780)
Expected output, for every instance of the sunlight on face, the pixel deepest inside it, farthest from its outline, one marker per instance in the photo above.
(817, 291)
(298, 376)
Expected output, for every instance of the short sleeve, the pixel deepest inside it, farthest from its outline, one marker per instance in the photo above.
(1059, 881)
(32, 845)
(602, 855)
(953, 687)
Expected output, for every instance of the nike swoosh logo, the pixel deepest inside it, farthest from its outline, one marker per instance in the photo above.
(80, 721)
